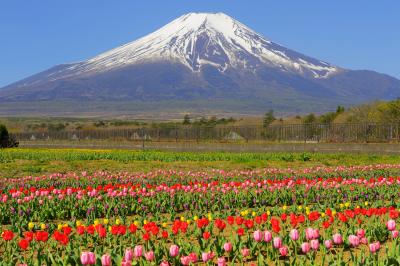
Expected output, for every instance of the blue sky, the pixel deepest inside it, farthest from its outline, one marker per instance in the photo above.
(357, 34)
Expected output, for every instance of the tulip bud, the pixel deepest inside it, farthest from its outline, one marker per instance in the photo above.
(149, 255)
(328, 244)
(106, 260)
(283, 251)
(174, 251)
(267, 236)
(221, 261)
(337, 239)
(245, 252)
(205, 256)
(391, 225)
(294, 234)
(258, 236)
(314, 244)
(228, 247)
(277, 242)
(305, 247)
(128, 256)
(85, 258)
(361, 233)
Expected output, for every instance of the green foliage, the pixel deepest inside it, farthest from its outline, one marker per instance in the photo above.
(186, 120)
(212, 121)
(268, 118)
(6, 140)
(310, 119)
(379, 112)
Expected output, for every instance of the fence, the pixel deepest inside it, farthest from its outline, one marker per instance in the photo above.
(333, 133)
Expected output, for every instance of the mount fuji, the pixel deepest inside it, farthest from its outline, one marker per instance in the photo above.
(205, 61)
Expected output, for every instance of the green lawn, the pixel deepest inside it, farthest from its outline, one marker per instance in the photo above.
(22, 162)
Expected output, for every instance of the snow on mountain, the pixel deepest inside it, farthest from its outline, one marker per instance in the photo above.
(196, 39)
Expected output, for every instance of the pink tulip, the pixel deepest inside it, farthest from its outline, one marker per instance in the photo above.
(221, 261)
(284, 251)
(258, 236)
(364, 241)
(149, 255)
(361, 233)
(128, 254)
(192, 257)
(315, 233)
(294, 234)
(277, 242)
(85, 258)
(395, 233)
(314, 244)
(391, 225)
(245, 252)
(125, 262)
(328, 244)
(106, 260)
(205, 256)
(354, 241)
(164, 263)
(138, 251)
(337, 239)
(309, 233)
(305, 247)
(267, 236)
(374, 247)
(228, 247)
(185, 260)
(173, 250)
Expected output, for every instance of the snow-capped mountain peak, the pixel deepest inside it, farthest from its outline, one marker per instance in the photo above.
(197, 39)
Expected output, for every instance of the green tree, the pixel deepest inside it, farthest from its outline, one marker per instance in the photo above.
(6, 140)
(186, 120)
(310, 119)
(268, 118)
(340, 109)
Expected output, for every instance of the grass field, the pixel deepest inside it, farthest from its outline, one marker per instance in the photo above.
(22, 162)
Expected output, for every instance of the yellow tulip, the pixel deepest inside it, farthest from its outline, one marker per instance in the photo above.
(145, 222)
(195, 218)
(347, 204)
(182, 219)
(268, 212)
(118, 222)
(31, 225)
(253, 214)
(43, 226)
(136, 223)
(78, 223)
(105, 221)
(96, 222)
(366, 203)
(164, 225)
(300, 207)
(284, 207)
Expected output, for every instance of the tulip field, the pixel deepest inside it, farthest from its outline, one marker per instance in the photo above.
(325, 215)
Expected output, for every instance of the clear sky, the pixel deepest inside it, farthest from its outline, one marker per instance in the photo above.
(355, 34)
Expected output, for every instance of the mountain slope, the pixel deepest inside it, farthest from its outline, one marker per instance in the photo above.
(202, 56)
